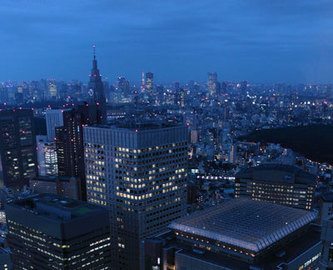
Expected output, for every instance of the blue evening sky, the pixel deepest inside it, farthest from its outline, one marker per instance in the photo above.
(254, 40)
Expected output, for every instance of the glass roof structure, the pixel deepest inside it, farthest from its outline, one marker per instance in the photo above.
(246, 224)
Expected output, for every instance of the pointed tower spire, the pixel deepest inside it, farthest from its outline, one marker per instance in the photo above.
(94, 51)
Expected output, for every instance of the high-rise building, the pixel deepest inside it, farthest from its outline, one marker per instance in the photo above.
(212, 84)
(54, 119)
(69, 141)
(17, 148)
(51, 232)
(149, 82)
(53, 90)
(124, 86)
(96, 91)
(137, 171)
(46, 156)
(277, 183)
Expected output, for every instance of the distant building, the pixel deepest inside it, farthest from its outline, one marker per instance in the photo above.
(65, 186)
(124, 86)
(281, 184)
(149, 82)
(46, 156)
(212, 84)
(139, 172)
(238, 234)
(52, 232)
(96, 91)
(54, 119)
(17, 148)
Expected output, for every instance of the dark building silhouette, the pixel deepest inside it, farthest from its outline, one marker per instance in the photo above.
(96, 91)
(69, 141)
(51, 232)
(17, 148)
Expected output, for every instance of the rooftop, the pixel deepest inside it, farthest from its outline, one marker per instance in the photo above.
(246, 224)
(56, 207)
(141, 124)
(278, 173)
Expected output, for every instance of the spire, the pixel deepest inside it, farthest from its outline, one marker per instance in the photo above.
(94, 51)
(94, 71)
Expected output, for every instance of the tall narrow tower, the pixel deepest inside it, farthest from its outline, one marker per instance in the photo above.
(96, 90)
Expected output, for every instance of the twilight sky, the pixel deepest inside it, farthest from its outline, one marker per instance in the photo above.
(254, 40)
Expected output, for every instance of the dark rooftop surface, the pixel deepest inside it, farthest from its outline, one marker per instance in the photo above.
(278, 173)
(56, 207)
(259, 224)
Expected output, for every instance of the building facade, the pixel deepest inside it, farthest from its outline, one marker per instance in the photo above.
(18, 161)
(138, 172)
(51, 232)
(277, 183)
(54, 119)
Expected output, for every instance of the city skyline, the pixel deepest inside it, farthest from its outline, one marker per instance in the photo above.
(259, 41)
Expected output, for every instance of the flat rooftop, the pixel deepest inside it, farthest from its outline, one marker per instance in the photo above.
(140, 124)
(56, 207)
(278, 173)
(246, 224)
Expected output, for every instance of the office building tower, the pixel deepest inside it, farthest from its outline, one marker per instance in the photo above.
(149, 82)
(46, 156)
(69, 141)
(277, 183)
(52, 232)
(238, 234)
(124, 86)
(53, 90)
(212, 84)
(137, 171)
(96, 91)
(54, 119)
(17, 148)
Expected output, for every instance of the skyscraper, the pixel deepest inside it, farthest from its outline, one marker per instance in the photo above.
(46, 156)
(54, 118)
(17, 148)
(96, 91)
(52, 232)
(149, 82)
(124, 86)
(213, 85)
(69, 141)
(138, 172)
